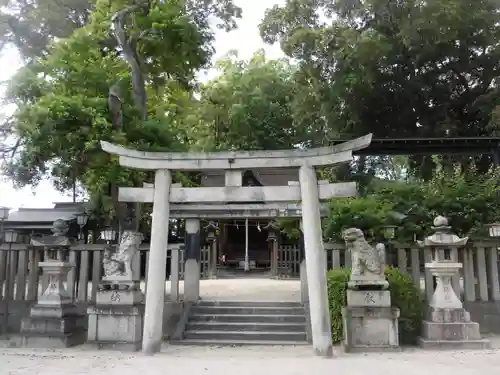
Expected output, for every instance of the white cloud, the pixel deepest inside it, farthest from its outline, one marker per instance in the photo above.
(246, 40)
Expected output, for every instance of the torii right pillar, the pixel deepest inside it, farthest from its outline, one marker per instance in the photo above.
(314, 255)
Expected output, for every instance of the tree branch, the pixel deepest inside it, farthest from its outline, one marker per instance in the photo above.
(130, 55)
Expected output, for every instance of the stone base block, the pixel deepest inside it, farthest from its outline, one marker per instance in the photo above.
(54, 342)
(370, 328)
(369, 349)
(115, 324)
(453, 345)
(448, 315)
(450, 331)
(53, 327)
(364, 298)
(114, 345)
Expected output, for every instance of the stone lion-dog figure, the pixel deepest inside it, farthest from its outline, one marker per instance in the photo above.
(367, 262)
(119, 263)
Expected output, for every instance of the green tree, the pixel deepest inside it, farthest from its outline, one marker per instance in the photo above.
(64, 100)
(248, 106)
(382, 67)
(31, 25)
(469, 199)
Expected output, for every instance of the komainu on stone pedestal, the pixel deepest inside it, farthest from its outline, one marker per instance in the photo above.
(116, 321)
(368, 263)
(370, 323)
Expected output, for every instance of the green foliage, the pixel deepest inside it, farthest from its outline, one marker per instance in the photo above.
(247, 107)
(468, 199)
(381, 67)
(368, 213)
(408, 299)
(62, 97)
(404, 295)
(31, 25)
(337, 298)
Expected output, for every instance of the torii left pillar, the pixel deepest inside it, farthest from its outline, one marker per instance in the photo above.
(315, 267)
(155, 294)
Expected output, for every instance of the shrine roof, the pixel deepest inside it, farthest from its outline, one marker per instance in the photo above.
(428, 146)
(43, 215)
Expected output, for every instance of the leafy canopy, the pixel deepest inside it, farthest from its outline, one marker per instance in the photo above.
(382, 67)
(62, 99)
(248, 106)
(469, 199)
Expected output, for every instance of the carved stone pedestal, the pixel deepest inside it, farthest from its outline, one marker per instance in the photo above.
(55, 321)
(370, 323)
(116, 321)
(448, 324)
(451, 329)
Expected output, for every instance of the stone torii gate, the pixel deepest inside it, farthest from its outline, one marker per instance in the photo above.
(308, 191)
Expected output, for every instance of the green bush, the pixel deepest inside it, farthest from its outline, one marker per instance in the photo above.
(404, 295)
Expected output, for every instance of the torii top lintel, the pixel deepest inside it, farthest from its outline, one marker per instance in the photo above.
(192, 161)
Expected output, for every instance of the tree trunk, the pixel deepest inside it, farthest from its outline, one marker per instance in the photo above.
(128, 214)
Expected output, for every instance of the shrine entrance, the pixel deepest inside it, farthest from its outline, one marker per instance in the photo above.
(245, 236)
(235, 201)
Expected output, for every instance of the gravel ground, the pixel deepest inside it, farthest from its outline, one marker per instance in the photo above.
(245, 361)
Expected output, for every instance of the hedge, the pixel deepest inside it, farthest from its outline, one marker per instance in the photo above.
(404, 295)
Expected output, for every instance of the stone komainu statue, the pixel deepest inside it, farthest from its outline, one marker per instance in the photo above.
(119, 263)
(367, 262)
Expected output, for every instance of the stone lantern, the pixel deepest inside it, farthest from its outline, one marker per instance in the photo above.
(389, 232)
(447, 324)
(494, 230)
(272, 230)
(212, 229)
(54, 321)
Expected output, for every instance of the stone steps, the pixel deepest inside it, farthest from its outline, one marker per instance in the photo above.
(219, 342)
(262, 318)
(246, 323)
(245, 326)
(248, 310)
(257, 304)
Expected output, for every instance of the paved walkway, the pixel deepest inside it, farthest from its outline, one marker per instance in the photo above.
(254, 289)
(245, 361)
(250, 289)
